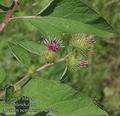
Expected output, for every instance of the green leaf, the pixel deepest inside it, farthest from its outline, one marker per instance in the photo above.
(79, 11)
(52, 26)
(20, 54)
(4, 8)
(2, 75)
(36, 6)
(70, 17)
(32, 47)
(53, 97)
(44, 4)
(81, 106)
(59, 99)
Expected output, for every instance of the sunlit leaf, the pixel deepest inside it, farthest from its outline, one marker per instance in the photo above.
(59, 99)
(70, 17)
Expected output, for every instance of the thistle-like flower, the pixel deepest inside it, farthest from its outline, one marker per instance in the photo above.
(52, 45)
(76, 64)
(83, 63)
(90, 39)
(82, 41)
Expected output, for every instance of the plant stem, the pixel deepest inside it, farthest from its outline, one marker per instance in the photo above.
(52, 63)
(42, 68)
(8, 15)
(21, 82)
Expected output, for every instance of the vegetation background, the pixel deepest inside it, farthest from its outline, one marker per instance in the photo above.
(101, 80)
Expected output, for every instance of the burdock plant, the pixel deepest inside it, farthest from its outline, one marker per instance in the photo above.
(72, 27)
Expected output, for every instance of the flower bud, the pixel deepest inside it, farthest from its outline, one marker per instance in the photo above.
(51, 50)
(75, 64)
(50, 56)
(53, 45)
(81, 42)
(72, 62)
(83, 63)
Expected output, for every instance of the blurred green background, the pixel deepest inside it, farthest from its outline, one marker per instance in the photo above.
(100, 81)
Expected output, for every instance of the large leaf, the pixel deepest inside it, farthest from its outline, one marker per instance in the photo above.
(71, 16)
(81, 106)
(43, 96)
(77, 10)
(54, 26)
(20, 54)
(32, 47)
(59, 98)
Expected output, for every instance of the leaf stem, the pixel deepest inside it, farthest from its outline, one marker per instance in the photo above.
(24, 17)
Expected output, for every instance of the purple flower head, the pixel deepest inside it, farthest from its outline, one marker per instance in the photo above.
(53, 45)
(83, 63)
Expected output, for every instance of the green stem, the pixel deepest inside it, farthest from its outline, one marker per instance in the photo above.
(26, 78)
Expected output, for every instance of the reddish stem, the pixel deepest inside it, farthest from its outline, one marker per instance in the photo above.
(8, 15)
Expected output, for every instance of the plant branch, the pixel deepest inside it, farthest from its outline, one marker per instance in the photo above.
(42, 68)
(26, 78)
(8, 15)
(21, 82)
(52, 63)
